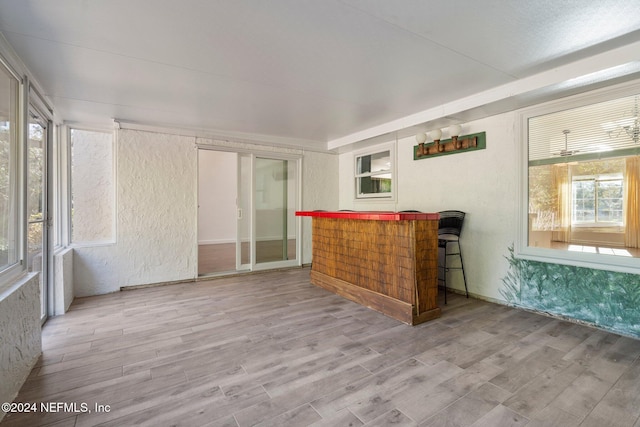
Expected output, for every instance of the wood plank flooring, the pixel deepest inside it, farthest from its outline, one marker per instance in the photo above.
(271, 349)
(221, 257)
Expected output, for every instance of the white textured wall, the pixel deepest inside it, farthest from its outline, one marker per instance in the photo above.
(157, 181)
(217, 176)
(320, 184)
(156, 226)
(482, 183)
(156, 236)
(20, 341)
(92, 186)
(63, 280)
(95, 270)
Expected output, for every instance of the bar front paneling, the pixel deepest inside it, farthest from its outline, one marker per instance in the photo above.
(384, 260)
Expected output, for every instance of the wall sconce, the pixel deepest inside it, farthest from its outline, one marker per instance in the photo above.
(456, 143)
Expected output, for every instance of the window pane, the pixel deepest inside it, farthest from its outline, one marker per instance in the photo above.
(8, 166)
(610, 201)
(364, 164)
(580, 162)
(378, 162)
(35, 157)
(92, 192)
(374, 185)
(584, 201)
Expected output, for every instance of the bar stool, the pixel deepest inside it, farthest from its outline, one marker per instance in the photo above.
(449, 228)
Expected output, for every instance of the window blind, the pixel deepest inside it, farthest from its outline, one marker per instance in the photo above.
(602, 130)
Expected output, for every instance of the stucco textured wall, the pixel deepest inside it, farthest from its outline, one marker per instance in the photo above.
(156, 221)
(20, 341)
(157, 182)
(63, 280)
(156, 240)
(92, 186)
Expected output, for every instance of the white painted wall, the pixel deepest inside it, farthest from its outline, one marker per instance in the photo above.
(217, 178)
(20, 343)
(481, 183)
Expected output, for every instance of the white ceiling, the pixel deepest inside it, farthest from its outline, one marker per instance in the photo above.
(314, 73)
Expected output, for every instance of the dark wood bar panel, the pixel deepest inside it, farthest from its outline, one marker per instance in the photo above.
(387, 261)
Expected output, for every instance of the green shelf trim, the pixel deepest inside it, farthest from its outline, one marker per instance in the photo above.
(601, 155)
(481, 145)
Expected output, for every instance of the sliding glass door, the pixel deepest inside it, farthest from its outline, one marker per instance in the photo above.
(275, 201)
(267, 200)
(243, 208)
(263, 193)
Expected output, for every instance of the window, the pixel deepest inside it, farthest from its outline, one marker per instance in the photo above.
(596, 200)
(9, 167)
(92, 187)
(582, 186)
(374, 174)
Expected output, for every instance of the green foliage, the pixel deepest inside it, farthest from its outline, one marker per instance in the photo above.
(608, 299)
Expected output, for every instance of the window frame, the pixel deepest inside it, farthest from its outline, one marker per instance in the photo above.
(15, 269)
(372, 151)
(596, 179)
(558, 256)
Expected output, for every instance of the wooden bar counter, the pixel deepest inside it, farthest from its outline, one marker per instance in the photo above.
(387, 261)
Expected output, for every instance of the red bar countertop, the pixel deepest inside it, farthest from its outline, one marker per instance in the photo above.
(371, 215)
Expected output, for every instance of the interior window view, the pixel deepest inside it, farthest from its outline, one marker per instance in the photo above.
(319, 213)
(584, 169)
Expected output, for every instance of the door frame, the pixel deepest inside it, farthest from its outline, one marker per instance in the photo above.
(38, 112)
(252, 154)
(298, 227)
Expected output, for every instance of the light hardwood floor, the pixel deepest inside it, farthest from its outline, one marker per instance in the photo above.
(271, 349)
(221, 257)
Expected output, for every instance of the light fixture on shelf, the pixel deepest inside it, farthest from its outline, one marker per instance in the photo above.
(438, 146)
(436, 135)
(455, 131)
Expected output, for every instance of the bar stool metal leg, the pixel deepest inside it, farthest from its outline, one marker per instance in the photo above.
(464, 278)
(444, 273)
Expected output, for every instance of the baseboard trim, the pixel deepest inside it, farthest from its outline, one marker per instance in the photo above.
(206, 278)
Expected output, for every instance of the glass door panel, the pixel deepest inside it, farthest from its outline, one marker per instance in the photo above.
(36, 213)
(243, 206)
(275, 201)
